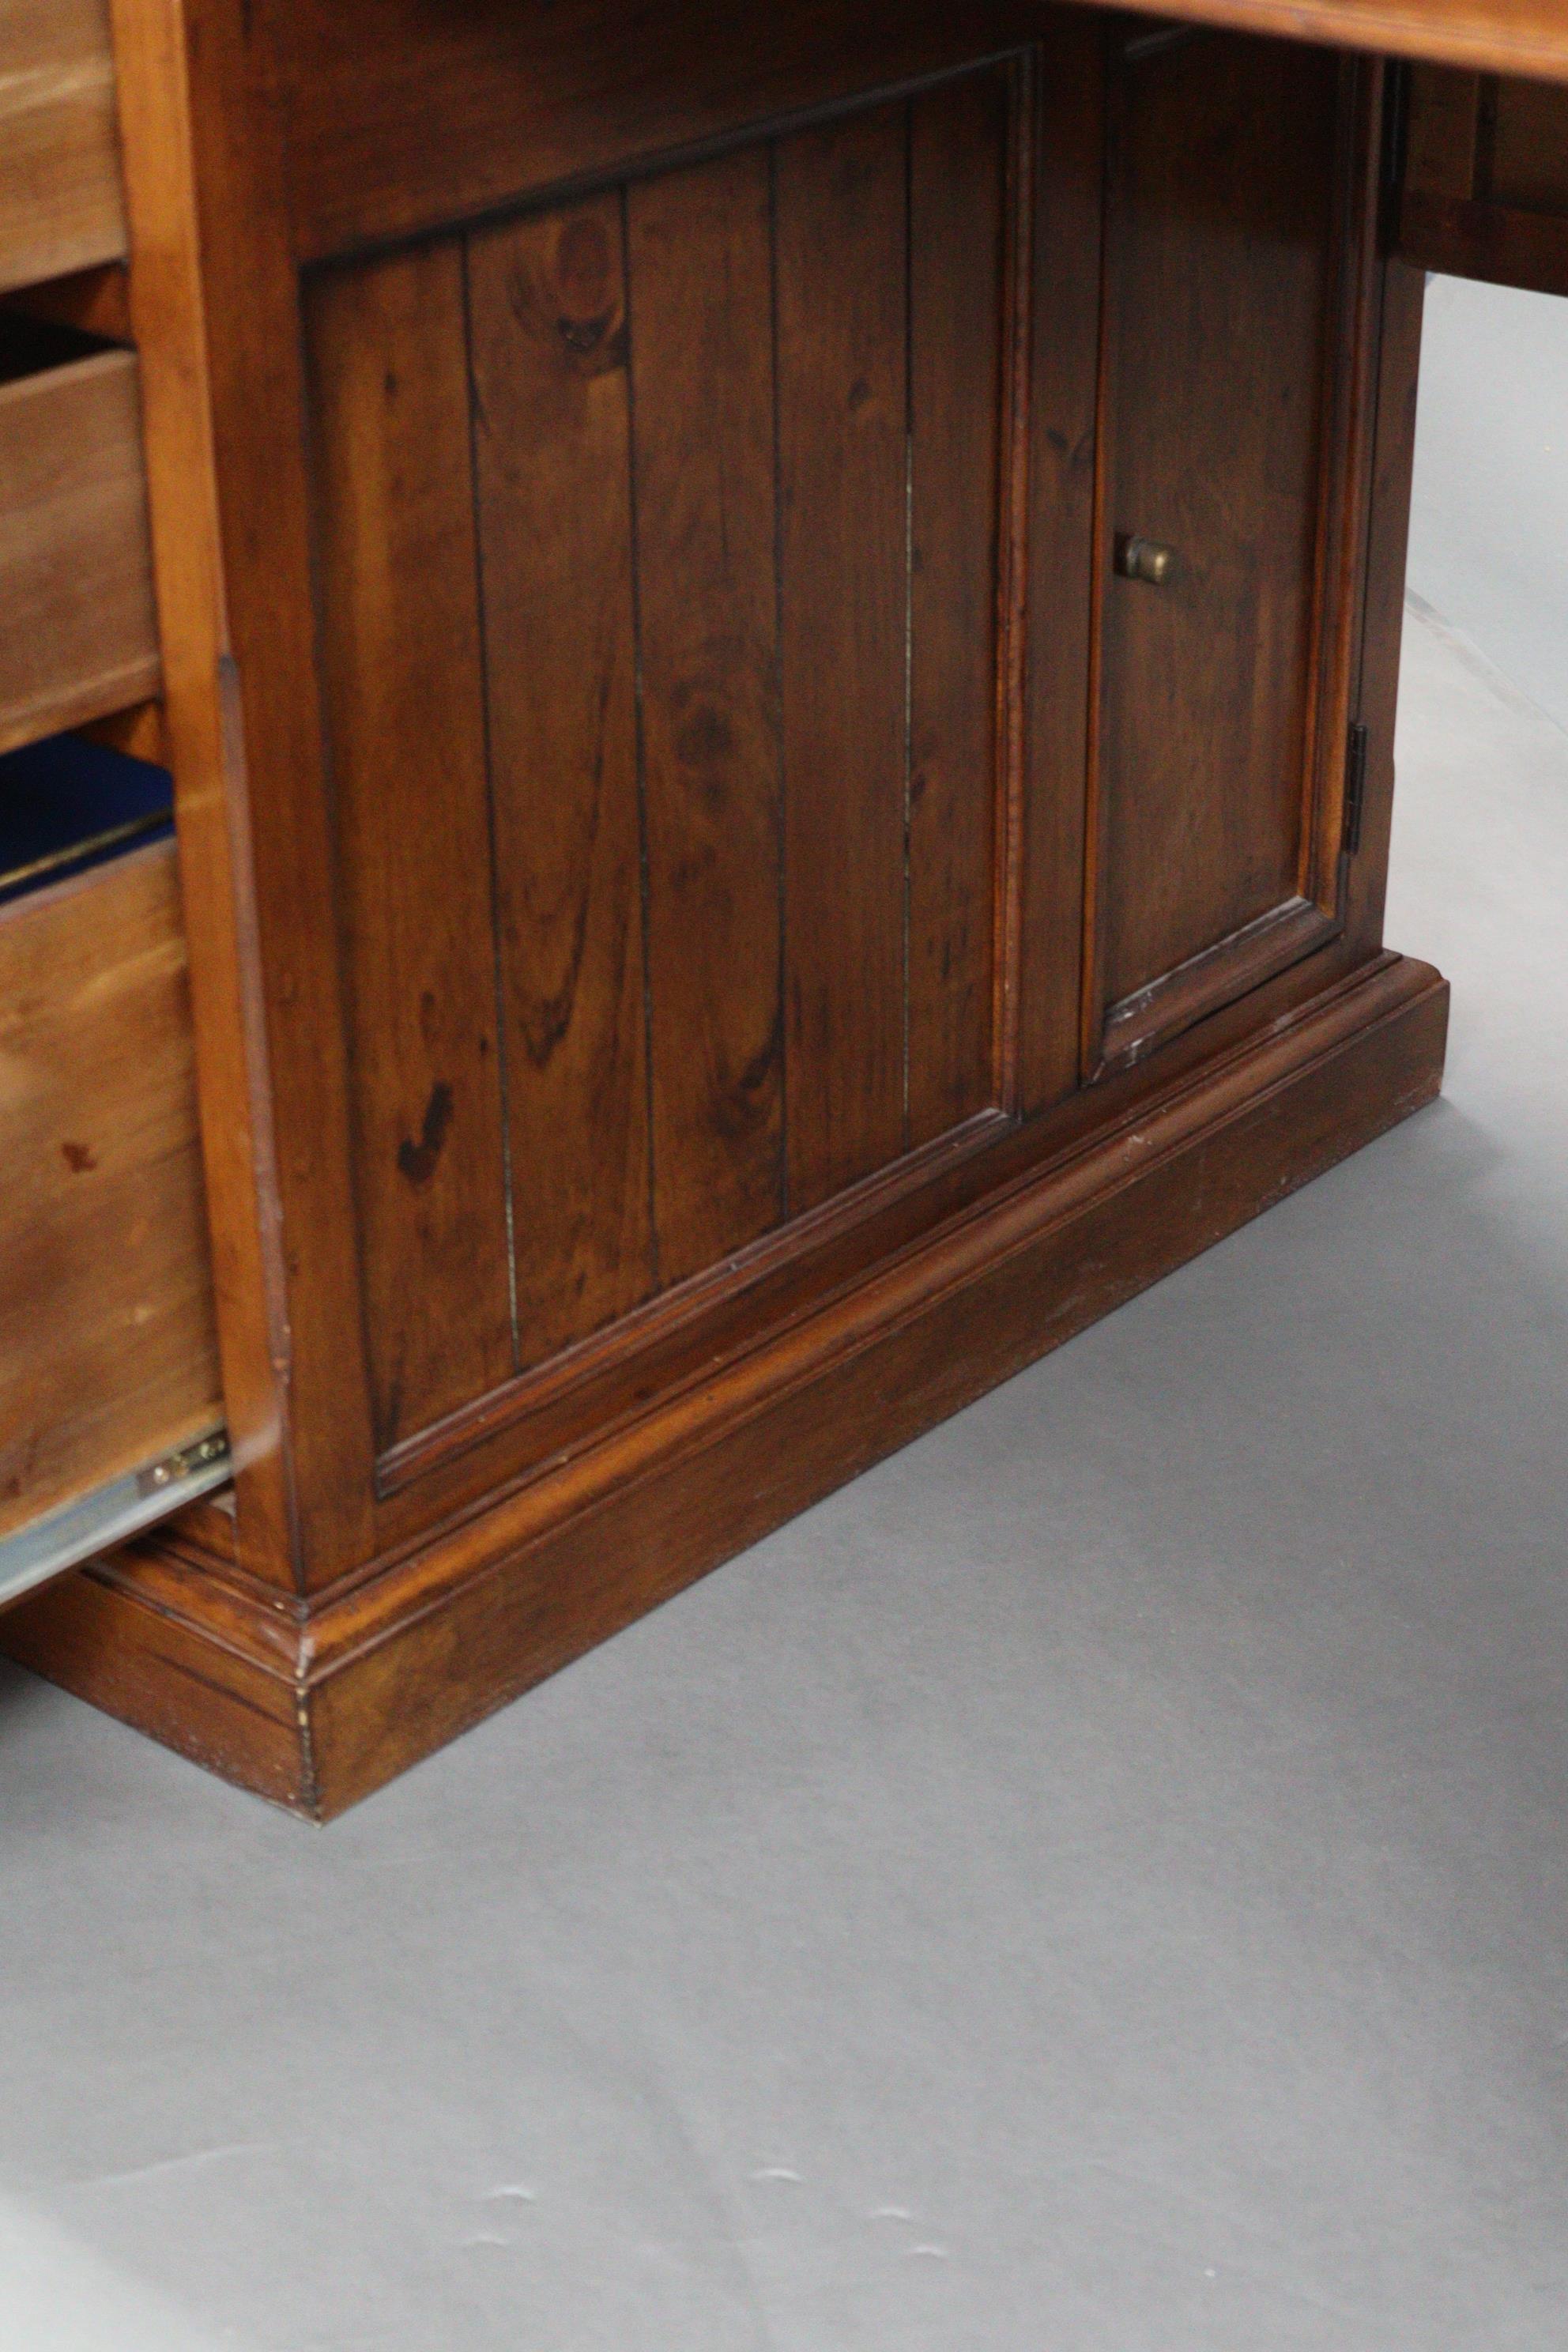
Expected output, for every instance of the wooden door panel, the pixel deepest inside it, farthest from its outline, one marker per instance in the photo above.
(404, 691)
(701, 262)
(407, 116)
(958, 414)
(1220, 286)
(842, 276)
(660, 549)
(552, 421)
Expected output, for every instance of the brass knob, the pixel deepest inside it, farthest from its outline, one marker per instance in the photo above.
(1144, 558)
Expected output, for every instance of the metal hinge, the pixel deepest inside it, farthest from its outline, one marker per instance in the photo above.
(1355, 786)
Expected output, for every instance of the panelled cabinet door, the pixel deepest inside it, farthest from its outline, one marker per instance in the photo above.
(1231, 244)
(658, 538)
(710, 789)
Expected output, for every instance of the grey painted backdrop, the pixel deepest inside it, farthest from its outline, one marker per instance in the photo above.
(1489, 547)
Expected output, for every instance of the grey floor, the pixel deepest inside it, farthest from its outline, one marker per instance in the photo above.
(1100, 1885)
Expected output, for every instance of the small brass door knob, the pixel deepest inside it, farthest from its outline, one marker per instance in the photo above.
(1144, 558)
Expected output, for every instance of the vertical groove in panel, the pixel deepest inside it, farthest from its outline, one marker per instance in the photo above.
(640, 692)
(501, 1056)
(1014, 433)
(1062, 334)
(908, 587)
(958, 316)
(549, 382)
(787, 1202)
(699, 268)
(403, 675)
(842, 398)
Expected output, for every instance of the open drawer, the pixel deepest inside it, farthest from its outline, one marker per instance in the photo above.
(1484, 184)
(60, 205)
(78, 628)
(110, 1410)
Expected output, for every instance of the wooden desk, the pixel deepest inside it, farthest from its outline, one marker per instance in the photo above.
(781, 634)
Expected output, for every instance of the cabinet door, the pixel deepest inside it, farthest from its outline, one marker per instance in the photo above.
(1230, 229)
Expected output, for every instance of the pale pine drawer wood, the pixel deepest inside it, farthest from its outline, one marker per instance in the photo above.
(78, 629)
(108, 1360)
(60, 202)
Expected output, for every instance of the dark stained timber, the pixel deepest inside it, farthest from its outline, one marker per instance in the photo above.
(958, 158)
(842, 227)
(405, 680)
(700, 260)
(552, 422)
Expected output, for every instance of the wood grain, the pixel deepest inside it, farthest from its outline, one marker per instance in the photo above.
(1442, 109)
(958, 324)
(1485, 192)
(1401, 296)
(642, 1430)
(405, 678)
(1529, 148)
(407, 117)
(842, 231)
(1501, 247)
(60, 206)
(1069, 138)
(1220, 278)
(206, 751)
(1513, 36)
(248, 706)
(96, 301)
(108, 1359)
(387, 1669)
(700, 257)
(77, 635)
(550, 388)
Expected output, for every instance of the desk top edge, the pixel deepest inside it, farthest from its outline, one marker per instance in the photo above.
(1525, 38)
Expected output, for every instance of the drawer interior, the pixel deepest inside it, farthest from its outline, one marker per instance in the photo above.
(68, 804)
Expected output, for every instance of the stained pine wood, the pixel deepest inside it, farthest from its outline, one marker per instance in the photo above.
(959, 349)
(390, 1670)
(842, 230)
(405, 721)
(1518, 37)
(1063, 345)
(1401, 299)
(1442, 118)
(79, 637)
(1529, 148)
(60, 206)
(932, 457)
(108, 1359)
(552, 402)
(405, 117)
(701, 258)
(204, 747)
(250, 696)
(1219, 285)
(96, 301)
(1485, 186)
